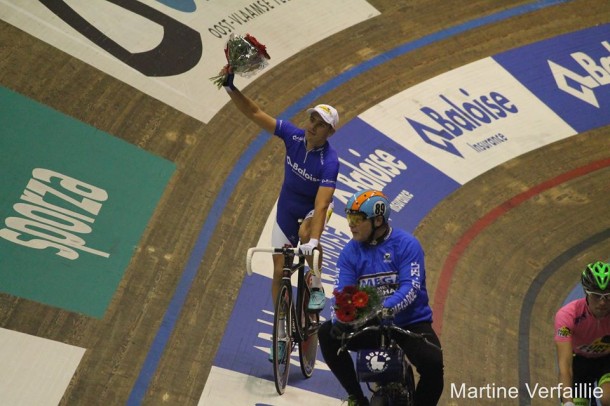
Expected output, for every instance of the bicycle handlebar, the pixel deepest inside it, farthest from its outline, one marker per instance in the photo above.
(346, 339)
(274, 250)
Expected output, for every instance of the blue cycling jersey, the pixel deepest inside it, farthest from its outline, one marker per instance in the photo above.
(304, 172)
(395, 266)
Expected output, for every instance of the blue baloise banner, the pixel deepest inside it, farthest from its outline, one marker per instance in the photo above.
(370, 160)
(569, 73)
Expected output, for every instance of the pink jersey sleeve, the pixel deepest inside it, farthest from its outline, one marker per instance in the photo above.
(564, 323)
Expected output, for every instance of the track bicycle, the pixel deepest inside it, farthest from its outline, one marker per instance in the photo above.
(385, 369)
(293, 323)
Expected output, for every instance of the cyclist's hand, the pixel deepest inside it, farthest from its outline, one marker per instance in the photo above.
(228, 82)
(387, 313)
(337, 330)
(307, 248)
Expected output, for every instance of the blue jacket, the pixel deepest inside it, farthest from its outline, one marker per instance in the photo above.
(395, 266)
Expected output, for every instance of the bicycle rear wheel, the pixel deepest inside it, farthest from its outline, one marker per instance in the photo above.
(308, 347)
(282, 336)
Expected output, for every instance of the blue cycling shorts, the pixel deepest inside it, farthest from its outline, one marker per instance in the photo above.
(286, 226)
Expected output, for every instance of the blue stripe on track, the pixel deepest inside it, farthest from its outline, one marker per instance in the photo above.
(190, 271)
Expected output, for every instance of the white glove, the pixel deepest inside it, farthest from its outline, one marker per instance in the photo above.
(569, 404)
(307, 249)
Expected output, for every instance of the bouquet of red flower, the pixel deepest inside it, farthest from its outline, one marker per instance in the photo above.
(245, 55)
(353, 304)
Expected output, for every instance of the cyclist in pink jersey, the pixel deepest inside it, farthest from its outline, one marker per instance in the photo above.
(582, 337)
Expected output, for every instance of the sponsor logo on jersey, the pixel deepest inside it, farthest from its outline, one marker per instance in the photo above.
(302, 172)
(599, 346)
(564, 332)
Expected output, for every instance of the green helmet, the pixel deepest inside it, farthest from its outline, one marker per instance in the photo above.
(596, 277)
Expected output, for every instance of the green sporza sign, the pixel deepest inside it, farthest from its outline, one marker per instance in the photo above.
(74, 203)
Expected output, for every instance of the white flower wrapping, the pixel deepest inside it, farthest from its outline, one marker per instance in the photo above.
(245, 55)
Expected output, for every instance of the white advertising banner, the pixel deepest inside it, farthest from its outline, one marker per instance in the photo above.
(35, 371)
(468, 120)
(169, 49)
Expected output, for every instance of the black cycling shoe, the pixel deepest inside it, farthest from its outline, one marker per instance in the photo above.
(357, 401)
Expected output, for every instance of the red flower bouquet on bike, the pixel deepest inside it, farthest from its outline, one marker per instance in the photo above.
(353, 303)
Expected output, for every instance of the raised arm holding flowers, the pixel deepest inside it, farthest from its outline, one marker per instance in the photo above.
(307, 198)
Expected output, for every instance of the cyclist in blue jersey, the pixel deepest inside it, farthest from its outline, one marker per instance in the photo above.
(310, 175)
(391, 260)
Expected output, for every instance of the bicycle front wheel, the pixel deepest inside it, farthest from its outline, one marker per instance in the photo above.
(409, 385)
(379, 400)
(308, 347)
(282, 338)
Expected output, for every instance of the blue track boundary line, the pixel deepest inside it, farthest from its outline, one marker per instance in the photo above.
(174, 308)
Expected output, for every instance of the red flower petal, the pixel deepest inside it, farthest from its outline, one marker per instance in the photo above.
(342, 302)
(260, 47)
(346, 314)
(360, 299)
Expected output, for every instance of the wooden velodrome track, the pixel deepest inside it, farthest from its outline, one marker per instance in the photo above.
(500, 298)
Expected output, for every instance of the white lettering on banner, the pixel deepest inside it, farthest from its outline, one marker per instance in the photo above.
(374, 172)
(333, 241)
(488, 143)
(458, 117)
(598, 75)
(227, 25)
(401, 200)
(55, 226)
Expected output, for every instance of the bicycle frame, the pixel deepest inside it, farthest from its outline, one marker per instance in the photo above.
(299, 326)
(290, 268)
(394, 367)
(385, 366)
(297, 311)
